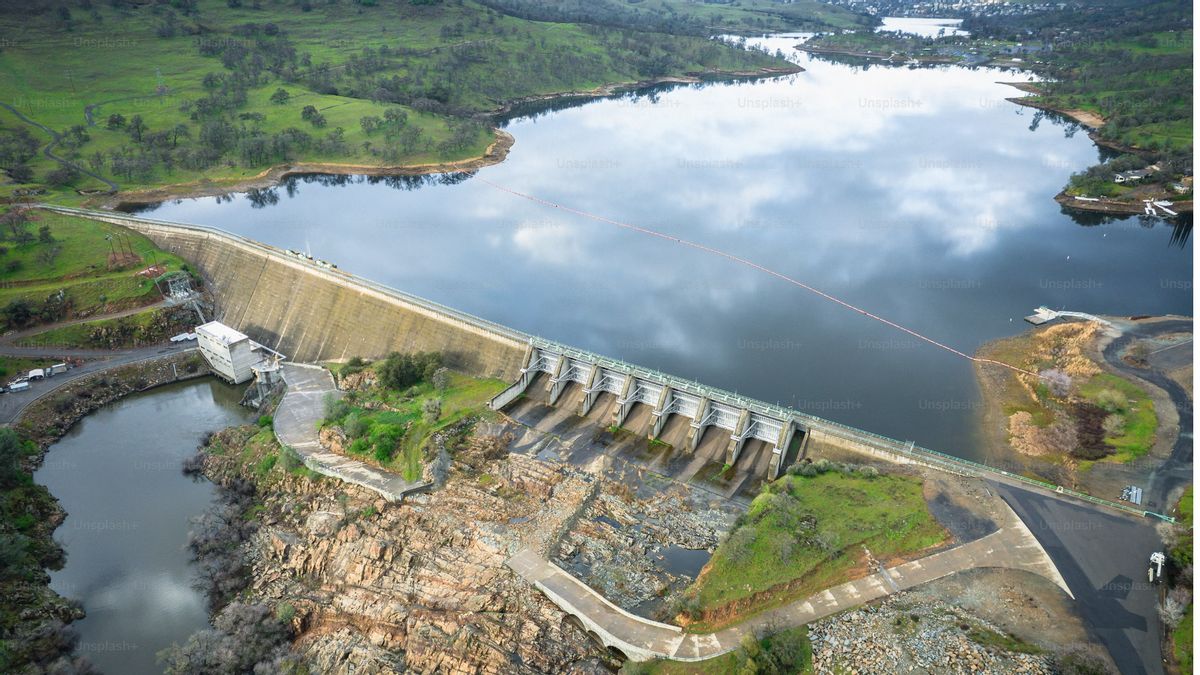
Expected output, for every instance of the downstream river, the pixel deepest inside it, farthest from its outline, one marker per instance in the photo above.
(919, 194)
(117, 473)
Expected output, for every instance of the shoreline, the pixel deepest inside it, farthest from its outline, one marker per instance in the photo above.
(43, 422)
(495, 153)
(1104, 205)
(1098, 477)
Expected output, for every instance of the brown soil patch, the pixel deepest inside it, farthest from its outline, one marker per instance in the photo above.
(121, 259)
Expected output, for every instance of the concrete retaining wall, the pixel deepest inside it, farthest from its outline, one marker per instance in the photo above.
(313, 314)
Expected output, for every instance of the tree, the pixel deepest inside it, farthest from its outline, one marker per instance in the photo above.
(308, 112)
(370, 124)
(281, 96)
(401, 371)
(62, 176)
(18, 313)
(44, 235)
(12, 454)
(137, 128)
(21, 173)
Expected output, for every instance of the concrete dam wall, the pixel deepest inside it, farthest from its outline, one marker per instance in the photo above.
(313, 314)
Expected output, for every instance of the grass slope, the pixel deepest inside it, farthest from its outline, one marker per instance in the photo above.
(82, 270)
(200, 76)
(804, 534)
(390, 428)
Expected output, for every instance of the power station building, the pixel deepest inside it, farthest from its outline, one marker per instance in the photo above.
(232, 355)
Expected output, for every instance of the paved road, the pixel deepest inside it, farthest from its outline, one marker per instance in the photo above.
(296, 424)
(1013, 546)
(14, 403)
(1103, 557)
(1176, 471)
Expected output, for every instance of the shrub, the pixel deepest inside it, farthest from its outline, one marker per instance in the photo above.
(359, 446)
(1114, 424)
(431, 410)
(265, 420)
(245, 638)
(441, 379)
(335, 407)
(356, 426)
(1111, 400)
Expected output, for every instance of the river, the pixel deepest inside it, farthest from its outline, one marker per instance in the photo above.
(117, 474)
(919, 194)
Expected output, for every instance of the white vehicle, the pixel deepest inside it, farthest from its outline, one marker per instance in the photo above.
(56, 369)
(21, 385)
(37, 374)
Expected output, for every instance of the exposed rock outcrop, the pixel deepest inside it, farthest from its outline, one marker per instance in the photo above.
(419, 586)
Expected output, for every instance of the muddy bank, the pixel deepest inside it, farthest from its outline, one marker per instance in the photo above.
(1113, 206)
(1088, 119)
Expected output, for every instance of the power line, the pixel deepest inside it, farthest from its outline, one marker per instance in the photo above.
(755, 266)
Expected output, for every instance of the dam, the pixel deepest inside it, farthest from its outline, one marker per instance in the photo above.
(315, 313)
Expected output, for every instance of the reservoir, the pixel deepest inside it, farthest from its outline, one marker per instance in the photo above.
(117, 474)
(918, 194)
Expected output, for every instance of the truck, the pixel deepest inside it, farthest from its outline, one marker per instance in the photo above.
(56, 369)
(19, 385)
(37, 374)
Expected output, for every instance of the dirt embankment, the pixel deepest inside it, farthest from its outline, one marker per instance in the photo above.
(49, 418)
(1104, 205)
(1087, 118)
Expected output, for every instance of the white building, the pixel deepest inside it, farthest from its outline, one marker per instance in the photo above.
(231, 353)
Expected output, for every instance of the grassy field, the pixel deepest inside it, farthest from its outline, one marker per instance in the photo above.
(1137, 409)
(690, 17)
(391, 428)
(84, 268)
(201, 82)
(136, 330)
(804, 534)
(1183, 554)
(10, 366)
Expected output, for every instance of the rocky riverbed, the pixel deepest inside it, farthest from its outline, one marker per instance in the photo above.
(644, 539)
(907, 634)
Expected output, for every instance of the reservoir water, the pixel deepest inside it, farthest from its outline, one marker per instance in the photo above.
(922, 26)
(117, 474)
(919, 194)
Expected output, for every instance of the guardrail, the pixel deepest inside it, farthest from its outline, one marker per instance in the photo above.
(438, 308)
(878, 441)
